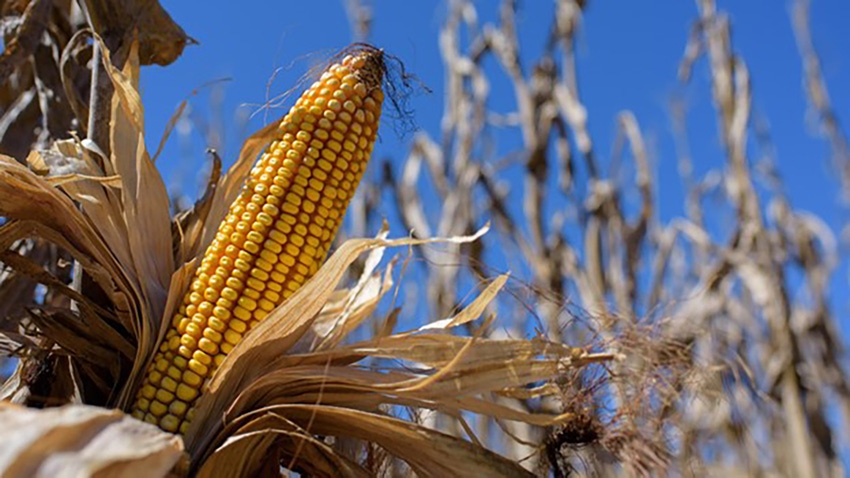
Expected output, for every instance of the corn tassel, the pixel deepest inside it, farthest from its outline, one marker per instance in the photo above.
(275, 236)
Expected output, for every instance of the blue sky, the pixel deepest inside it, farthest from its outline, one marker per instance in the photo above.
(628, 57)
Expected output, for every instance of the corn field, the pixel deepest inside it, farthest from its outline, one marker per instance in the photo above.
(324, 307)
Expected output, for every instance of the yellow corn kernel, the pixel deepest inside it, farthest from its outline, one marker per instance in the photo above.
(168, 384)
(177, 408)
(157, 408)
(232, 337)
(186, 393)
(164, 395)
(192, 378)
(201, 357)
(198, 368)
(169, 423)
(155, 376)
(143, 404)
(148, 392)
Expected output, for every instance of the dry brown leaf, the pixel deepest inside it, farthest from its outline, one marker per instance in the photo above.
(461, 373)
(13, 390)
(102, 205)
(279, 332)
(340, 317)
(474, 310)
(80, 440)
(339, 385)
(269, 375)
(24, 195)
(145, 207)
(133, 269)
(61, 179)
(252, 447)
(437, 350)
(428, 452)
(162, 40)
(242, 455)
(144, 196)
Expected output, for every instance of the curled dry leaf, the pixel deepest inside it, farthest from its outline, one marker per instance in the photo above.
(80, 440)
(282, 329)
(123, 22)
(274, 373)
(427, 452)
(91, 207)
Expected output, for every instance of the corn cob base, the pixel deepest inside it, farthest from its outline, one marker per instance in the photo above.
(275, 236)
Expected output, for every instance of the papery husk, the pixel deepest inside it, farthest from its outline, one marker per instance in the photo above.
(95, 209)
(281, 384)
(80, 440)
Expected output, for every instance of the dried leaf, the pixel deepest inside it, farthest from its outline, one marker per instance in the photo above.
(81, 440)
(145, 199)
(146, 22)
(474, 310)
(273, 438)
(428, 452)
(340, 317)
(280, 331)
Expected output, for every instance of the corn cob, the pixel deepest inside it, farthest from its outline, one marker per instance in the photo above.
(275, 236)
